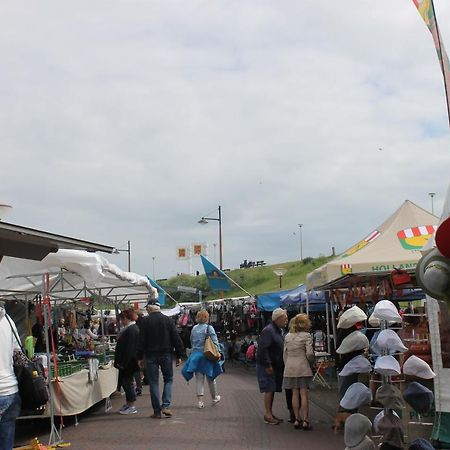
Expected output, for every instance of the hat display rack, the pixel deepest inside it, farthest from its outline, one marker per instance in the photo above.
(388, 425)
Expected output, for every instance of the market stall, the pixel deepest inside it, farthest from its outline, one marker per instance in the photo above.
(70, 282)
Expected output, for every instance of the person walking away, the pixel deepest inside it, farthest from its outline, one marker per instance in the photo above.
(157, 342)
(198, 364)
(269, 362)
(126, 359)
(297, 355)
(9, 392)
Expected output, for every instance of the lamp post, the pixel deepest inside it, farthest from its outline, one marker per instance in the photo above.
(432, 194)
(204, 221)
(280, 272)
(153, 260)
(128, 250)
(300, 225)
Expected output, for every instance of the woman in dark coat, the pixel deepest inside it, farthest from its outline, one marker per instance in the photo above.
(126, 359)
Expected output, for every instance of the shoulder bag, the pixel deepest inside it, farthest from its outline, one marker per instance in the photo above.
(33, 390)
(210, 351)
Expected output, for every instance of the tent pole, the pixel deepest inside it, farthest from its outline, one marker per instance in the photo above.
(327, 311)
(333, 321)
(55, 437)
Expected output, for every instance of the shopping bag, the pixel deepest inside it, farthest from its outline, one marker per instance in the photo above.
(210, 351)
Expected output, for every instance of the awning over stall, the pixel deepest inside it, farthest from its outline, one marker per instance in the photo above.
(394, 244)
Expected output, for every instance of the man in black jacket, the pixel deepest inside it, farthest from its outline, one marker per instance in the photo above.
(158, 339)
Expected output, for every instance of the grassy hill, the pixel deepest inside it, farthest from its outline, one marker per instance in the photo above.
(255, 280)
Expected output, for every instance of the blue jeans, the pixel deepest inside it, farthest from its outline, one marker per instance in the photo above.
(9, 410)
(154, 363)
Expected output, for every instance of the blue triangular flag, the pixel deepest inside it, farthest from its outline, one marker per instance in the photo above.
(217, 280)
(161, 292)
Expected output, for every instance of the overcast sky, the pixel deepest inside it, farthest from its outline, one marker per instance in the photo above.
(129, 120)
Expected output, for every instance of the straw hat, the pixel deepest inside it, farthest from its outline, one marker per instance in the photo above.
(351, 316)
(433, 274)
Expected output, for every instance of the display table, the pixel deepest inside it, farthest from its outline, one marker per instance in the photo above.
(76, 393)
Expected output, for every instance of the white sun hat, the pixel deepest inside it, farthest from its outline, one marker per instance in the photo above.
(357, 395)
(386, 310)
(390, 340)
(418, 368)
(358, 364)
(387, 365)
(351, 317)
(375, 321)
(353, 342)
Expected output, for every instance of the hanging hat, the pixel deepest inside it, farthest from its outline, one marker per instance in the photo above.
(377, 419)
(357, 426)
(353, 342)
(351, 317)
(442, 238)
(433, 274)
(418, 397)
(421, 444)
(375, 321)
(392, 429)
(387, 365)
(358, 364)
(418, 368)
(390, 340)
(355, 396)
(390, 396)
(386, 310)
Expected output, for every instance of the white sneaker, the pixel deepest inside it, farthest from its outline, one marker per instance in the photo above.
(216, 399)
(129, 410)
(201, 405)
(124, 407)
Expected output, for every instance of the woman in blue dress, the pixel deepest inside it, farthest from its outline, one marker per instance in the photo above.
(198, 364)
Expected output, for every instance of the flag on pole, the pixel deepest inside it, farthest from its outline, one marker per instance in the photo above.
(426, 10)
(161, 291)
(217, 280)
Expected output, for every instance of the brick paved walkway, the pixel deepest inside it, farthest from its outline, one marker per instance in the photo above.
(235, 423)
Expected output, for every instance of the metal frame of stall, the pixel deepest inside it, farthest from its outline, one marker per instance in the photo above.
(49, 291)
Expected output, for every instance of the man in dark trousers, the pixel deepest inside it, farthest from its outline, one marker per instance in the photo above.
(158, 340)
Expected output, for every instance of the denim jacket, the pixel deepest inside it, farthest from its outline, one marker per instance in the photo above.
(199, 334)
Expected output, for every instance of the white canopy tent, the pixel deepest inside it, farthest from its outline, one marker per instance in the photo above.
(74, 274)
(397, 243)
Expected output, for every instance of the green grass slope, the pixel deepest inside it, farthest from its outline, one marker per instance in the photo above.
(255, 280)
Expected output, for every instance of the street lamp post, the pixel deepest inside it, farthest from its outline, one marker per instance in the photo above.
(432, 194)
(300, 225)
(280, 272)
(153, 260)
(204, 220)
(128, 250)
